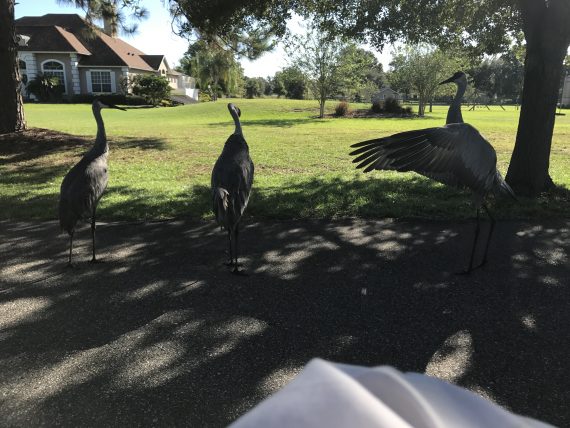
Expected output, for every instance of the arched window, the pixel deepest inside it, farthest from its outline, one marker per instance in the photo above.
(54, 68)
(23, 71)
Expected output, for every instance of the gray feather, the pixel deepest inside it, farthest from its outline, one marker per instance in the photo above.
(455, 154)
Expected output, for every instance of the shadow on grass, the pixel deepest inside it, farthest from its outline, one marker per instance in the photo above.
(278, 123)
(409, 196)
(162, 332)
(36, 143)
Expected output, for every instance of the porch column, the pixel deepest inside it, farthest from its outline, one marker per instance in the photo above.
(75, 73)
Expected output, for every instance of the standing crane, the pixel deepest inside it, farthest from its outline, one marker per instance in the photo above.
(84, 184)
(454, 112)
(232, 178)
(455, 154)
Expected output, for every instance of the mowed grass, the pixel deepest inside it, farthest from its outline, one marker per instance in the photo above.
(160, 163)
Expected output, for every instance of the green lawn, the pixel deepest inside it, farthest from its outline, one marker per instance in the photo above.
(160, 163)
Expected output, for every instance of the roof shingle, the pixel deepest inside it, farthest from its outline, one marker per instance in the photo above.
(70, 33)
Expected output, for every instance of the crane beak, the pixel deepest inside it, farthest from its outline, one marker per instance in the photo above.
(450, 80)
(117, 107)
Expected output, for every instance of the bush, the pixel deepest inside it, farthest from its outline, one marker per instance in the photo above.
(151, 87)
(45, 88)
(391, 105)
(377, 106)
(341, 109)
(204, 97)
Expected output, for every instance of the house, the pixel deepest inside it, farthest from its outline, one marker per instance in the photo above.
(384, 93)
(87, 61)
(565, 101)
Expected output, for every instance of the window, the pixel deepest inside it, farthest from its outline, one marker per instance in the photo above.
(54, 68)
(101, 81)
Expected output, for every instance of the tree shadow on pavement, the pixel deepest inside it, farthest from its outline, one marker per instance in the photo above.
(161, 333)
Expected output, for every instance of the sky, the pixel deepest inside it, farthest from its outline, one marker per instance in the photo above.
(155, 36)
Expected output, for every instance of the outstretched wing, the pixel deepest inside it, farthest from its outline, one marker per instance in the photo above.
(455, 154)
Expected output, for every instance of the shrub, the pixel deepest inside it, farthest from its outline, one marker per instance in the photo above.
(377, 106)
(151, 87)
(204, 97)
(391, 105)
(45, 88)
(341, 109)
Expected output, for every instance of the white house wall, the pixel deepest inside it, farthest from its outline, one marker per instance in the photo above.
(64, 58)
(116, 75)
(31, 65)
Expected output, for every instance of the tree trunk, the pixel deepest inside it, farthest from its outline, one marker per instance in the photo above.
(11, 108)
(421, 106)
(547, 35)
(322, 107)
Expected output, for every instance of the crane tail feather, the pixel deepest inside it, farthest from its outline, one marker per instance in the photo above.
(221, 203)
(503, 187)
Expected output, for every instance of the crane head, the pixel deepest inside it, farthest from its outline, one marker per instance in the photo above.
(455, 78)
(233, 107)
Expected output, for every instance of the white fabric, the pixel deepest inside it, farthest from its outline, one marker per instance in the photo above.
(333, 395)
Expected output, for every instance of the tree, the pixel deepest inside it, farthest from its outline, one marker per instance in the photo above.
(254, 87)
(360, 74)
(278, 85)
(11, 107)
(293, 82)
(419, 69)
(499, 77)
(211, 64)
(485, 26)
(151, 87)
(318, 57)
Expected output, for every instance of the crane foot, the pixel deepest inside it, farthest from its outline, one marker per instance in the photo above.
(95, 261)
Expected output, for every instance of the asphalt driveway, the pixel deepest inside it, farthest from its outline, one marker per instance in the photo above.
(161, 334)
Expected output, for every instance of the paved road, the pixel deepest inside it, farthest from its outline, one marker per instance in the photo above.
(161, 334)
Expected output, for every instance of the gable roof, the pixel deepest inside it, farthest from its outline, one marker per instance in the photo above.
(56, 32)
(153, 61)
(52, 39)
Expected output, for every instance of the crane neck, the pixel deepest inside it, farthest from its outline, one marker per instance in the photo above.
(235, 116)
(101, 139)
(454, 112)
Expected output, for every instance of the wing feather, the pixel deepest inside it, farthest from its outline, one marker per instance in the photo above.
(455, 154)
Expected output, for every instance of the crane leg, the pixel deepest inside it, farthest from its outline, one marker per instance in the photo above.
(236, 266)
(94, 259)
(470, 268)
(491, 228)
(231, 260)
(69, 264)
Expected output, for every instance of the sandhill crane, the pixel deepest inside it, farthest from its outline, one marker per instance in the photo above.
(454, 112)
(84, 184)
(232, 178)
(455, 154)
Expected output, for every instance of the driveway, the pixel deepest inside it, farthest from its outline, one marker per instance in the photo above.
(160, 333)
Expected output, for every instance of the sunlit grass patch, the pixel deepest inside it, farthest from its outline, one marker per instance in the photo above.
(160, 162)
